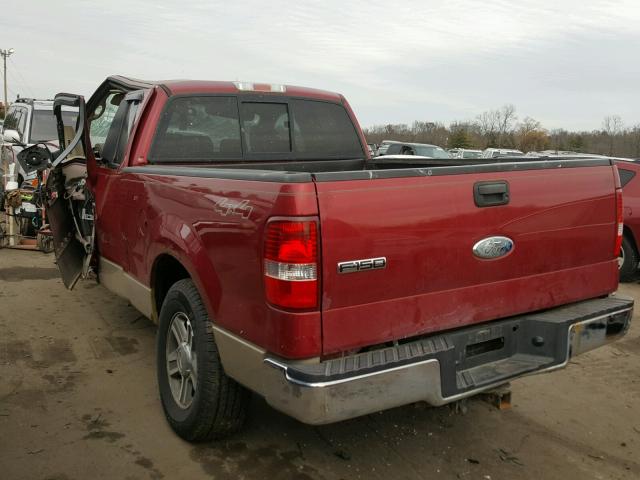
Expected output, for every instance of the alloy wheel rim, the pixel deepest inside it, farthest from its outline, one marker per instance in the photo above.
(181, 360)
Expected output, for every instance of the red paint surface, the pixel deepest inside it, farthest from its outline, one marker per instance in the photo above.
(631, 201)
(561, 222)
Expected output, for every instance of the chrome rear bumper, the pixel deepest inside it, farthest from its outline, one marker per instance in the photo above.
(438, 369)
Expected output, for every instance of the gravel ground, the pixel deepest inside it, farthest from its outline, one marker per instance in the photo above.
(78, 399)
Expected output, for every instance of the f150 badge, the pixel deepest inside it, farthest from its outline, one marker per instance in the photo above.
(353, 266)
(493, 247)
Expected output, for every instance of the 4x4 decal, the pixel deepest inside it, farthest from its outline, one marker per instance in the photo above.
(226, 207)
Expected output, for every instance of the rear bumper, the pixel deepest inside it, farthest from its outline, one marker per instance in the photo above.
(438, 369)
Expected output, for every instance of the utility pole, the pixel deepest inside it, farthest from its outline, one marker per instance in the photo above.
(11, 220)
(5, 54)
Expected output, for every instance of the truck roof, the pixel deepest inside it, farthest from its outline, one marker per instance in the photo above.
(181, 87)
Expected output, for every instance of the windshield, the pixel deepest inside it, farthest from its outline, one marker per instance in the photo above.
(43, 126)
(433, 152)
(471, 154)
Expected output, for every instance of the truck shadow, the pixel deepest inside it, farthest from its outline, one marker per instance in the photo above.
(275, 446)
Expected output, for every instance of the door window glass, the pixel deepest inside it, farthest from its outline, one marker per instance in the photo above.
(101, 118)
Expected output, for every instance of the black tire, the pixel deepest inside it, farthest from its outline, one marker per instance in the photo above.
(219, 405)
(630, 259)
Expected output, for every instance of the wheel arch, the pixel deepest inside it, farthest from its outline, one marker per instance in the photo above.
(165, 272)
(172, 261)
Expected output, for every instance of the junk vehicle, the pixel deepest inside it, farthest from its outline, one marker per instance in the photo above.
(419, 149)
(465, 153)
(249, 221)
(29, 121)
(501, 152)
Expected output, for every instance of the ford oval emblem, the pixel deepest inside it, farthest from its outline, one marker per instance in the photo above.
(493, 247)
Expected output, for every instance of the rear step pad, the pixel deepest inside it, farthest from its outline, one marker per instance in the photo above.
(499, 370)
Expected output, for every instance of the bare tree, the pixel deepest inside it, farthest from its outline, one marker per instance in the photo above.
(506, 118)
(498, 127)
(612, 126)
(634, 133)
(487, 124)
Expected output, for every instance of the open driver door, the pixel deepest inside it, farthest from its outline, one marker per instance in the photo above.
(69, 198)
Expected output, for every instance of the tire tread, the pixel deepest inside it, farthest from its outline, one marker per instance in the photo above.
(222, 403)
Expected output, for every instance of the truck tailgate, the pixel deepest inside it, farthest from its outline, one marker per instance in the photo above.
(561, 222)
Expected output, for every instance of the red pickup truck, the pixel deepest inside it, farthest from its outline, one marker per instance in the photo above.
(249, 222)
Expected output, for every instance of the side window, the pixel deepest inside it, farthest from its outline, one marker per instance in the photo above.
(394, 149)
(266, 127)
(11, 122)
(101, 118)
(625, 176)
(406, 150)
(197, 129)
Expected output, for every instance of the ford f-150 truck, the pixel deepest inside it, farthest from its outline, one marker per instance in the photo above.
(249, 221)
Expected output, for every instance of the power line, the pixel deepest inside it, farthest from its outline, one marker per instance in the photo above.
(23, 80)
(13, 82)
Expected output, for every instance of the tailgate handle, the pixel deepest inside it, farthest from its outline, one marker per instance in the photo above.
(490, 194)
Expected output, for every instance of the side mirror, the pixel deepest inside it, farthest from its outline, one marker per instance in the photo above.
(11, 136)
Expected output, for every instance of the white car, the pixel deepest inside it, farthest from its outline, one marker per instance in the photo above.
(419, 149)
(29, 121)
(501, 152)
(384, 146)
(467, 153)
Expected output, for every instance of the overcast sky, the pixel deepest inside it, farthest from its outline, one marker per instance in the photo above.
(565, 63)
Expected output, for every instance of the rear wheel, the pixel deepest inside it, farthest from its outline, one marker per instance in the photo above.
(628, 260)
(200, 401)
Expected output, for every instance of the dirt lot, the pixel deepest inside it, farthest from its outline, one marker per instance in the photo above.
(78, 400)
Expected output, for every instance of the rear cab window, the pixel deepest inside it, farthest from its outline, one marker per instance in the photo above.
(218, 128)
(266, 127)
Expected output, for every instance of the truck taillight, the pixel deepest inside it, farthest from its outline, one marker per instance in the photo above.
(291, 263)
(619, 222)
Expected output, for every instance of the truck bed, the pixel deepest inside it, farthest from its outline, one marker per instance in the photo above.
(420, 215)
